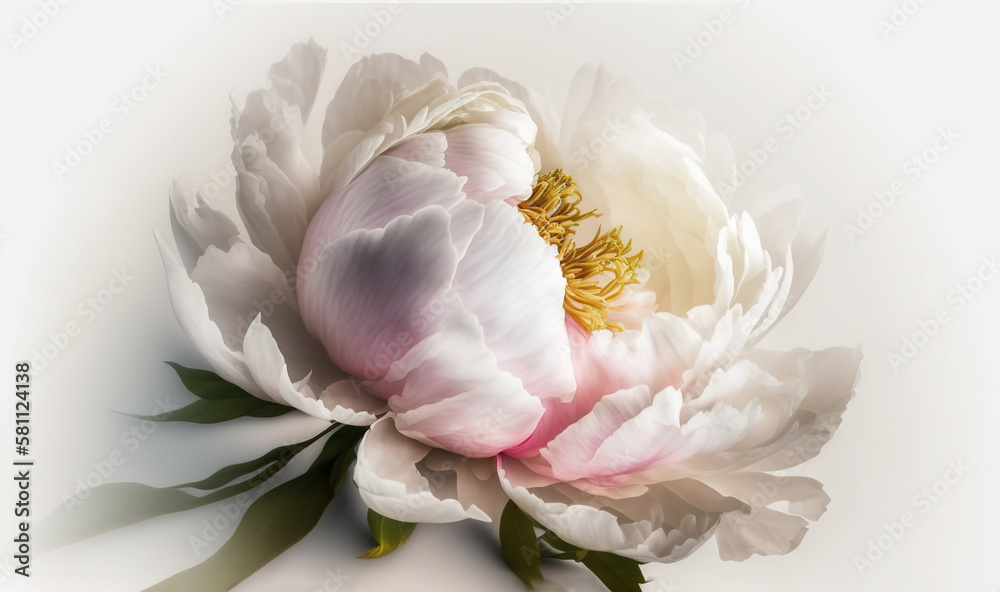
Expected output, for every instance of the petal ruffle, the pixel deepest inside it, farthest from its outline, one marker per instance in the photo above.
(537, 107)
(496, 164)
(198, 227)
(393, 185)
(665, 523)
(405, 480)
(371, 86)
(277, 188)
(188, 302)
(343, 401)
(765, 530)
(453, 395)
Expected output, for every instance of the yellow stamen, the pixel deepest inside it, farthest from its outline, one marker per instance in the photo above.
(596, 273)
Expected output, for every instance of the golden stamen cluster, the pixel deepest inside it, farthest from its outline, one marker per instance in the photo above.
(596, 273)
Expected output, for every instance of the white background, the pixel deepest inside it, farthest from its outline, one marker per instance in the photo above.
(62, 240)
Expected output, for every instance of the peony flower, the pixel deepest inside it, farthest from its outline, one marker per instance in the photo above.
(565, 317)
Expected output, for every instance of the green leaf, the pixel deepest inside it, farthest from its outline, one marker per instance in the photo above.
(218, 410)
(229, 473)
(620, 574)
(389, 534)
(206, 384)
(117, 505)
(519, 544)
(219, 400)
(550, 537)
(275, 522)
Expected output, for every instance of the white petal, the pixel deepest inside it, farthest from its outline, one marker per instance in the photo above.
(805, 496)
(649, 182)
(277, 187)
(802, 395)
(538, 108)
(435, 106)
(596, 95)
(298, 75)
(830, 377)
(238, 285)
(769, 532)
(369, 88)
(656, 356)
(192, 313)
(274, 211)
(394, 478)
(277, 123)
(651, 433)
(664, 524)
(343, 401)
(197, 227)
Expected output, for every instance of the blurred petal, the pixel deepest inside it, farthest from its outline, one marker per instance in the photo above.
(370, 87)
(664, 524)
(297, 76)
(646, 180)
(273, 209)
(198, 227)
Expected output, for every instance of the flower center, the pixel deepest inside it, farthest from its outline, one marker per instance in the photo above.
(596, 273)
